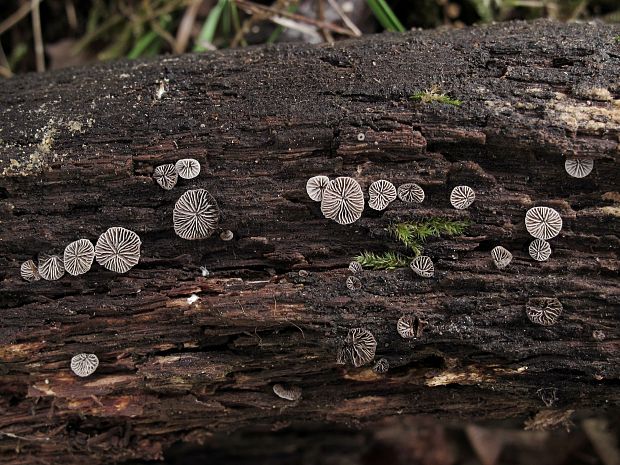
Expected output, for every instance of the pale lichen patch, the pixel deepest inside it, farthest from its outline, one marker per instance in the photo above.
(611, 211)
(576, 116)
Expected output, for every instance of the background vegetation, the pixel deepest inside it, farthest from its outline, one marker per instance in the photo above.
(48, 34)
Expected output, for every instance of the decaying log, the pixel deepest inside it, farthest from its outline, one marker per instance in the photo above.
(77, 151)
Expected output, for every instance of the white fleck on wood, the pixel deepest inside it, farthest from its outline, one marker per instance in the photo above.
(501, 257)
(411, 193)
(195, 215)
(543, 222)
(423, 266)
(84, 365)
(578, 168)
(29, 271)
(540, 250)
(79, 256)
(315, 187)
(166, 176)
(462, 197)
(118, 249)
(51, 267)
(380, 194)
(187, 168)
(287, 392)
(343, 200)
(543, 310)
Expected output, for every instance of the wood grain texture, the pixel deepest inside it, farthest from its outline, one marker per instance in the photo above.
(77, 151)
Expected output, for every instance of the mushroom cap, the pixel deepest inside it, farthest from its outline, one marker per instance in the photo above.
(423, 266)
(380, 194)
(227, 235)
(287, 392)
(118, 249)
(578, 167)
(84, 364)
(187, 168)
(382, 366)
(196, 215)
(411, 193)
(462, 197)
(355, 267)
(543, 222)
(543, 310)
(540, 250)
(343, 200)
(166, 176)
(501, 257)
(51, 267)
(359, 347)
(315, 187)
(353, 283)
(29, 271)
(407, 326)
(78, 257)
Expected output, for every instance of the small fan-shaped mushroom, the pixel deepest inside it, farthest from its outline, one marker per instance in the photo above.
(84, 364)
(195, 215)
(166, 176)
(423, 266)
(501, 257)
(227, 235)
(411, 193)
(359, 347)
(118, 249)
(355, 267)
(578, 168)
(544, 310)
(382, 366)
(343, 200)
(79, 256)
(540, 250)
(292, 393)
(29, 271)
(462, 197)
(187, 168)
(380, 194)
(543, 222)
(353, 283)
(51, 267)
(315, 187)
(409, 326)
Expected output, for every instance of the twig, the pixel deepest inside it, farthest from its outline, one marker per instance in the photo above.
(320, 15)
(38, 36)
(16, 17)
(184, 30)
(345, 19)
(252, 8)
(303, 28)
(71, 14)
(5, 67)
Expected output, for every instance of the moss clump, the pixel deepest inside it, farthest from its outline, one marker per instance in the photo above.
(434, 94)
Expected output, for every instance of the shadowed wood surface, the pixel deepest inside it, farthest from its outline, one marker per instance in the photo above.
(77, 151)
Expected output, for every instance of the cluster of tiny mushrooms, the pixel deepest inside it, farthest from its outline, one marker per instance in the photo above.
(196, 216)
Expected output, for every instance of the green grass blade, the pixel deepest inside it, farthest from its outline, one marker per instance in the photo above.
(207, 33)
(385, 15)
(278, 30)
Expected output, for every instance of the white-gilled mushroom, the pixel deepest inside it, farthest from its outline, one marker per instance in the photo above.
(195, 215)
(358, 349)
(462, 197)
(409, 326)
(578, 168)
(423, 266)
(540, 250)
(353, 283)
(187, 168)
(380, 194)
(544, 310)
(29, 271)
(355, 267)
(51, 267)
(84, 365)
(411, 193)
(78, 257)
(118, 249)
(288, 392)
(543, 222)
(166, 176)
(501, 257)
(315, 187)
(382, 366)
(343, 200)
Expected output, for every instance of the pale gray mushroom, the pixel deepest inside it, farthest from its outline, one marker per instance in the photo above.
(501, 257)
(543, 222)
(411, 193)
(358, 349)
(187, 168)
(288, 392)
(423, 266)
(166, 176)
(543, 310)
(462, 197)
(380, 194)
(118, 249)
(343, 200)
(353, 283)
(315, 187)
(51, 267)
(227, 235)
(540, 250)
(29, 271)
(382, 366)
(84, 365)
(409, 326)
(355, 267)
(578, 168)
(78, 257)
(195, 215)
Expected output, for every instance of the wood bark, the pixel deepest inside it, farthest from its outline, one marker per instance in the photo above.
(77, 151)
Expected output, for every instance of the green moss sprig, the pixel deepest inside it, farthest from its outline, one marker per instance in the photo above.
(384, 261)
(434, 94)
